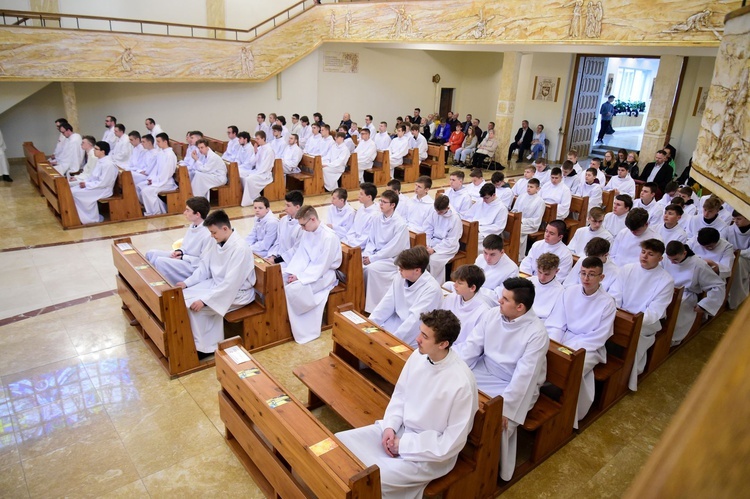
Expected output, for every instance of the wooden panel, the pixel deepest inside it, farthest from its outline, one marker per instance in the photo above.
(276, 190)
(350, 177)
(127, 206)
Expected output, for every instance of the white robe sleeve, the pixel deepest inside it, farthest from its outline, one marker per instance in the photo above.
(528, 370)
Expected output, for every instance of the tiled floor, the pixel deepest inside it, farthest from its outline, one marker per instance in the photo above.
(86, 410)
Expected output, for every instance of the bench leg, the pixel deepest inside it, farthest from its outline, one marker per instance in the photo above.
(313, 401)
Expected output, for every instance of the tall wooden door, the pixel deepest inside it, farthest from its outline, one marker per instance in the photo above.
(446, 101)
(585, 105)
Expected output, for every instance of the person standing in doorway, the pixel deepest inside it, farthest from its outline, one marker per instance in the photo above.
(607, 111)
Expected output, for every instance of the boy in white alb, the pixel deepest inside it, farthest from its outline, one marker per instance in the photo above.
(443, 231)
(210, 170)
(589, 188)
(311, 275)
(359, 232)
(417, 141)
(120, 153)
(398, 148)
(519, 187)
(477, 182)
(548, 288)
(541, 171)
(507, 352)
(554, 234)
(340, 213)
(531, 206)
(404, 201)
(459, 196)
(738, 235)
(428, 418)
(263, 235)
(366, 152)
(382, 138)
(623, 183)
(598, 248)
(717, 251)
(570, 176)
(711, 208)
(569, 324)
(289, 231)
(490, 212)
(98, 186)
(594, 229)
(180, 264)
(614, 221)
(421, 205)
(291, 155)
(412, 292)
(232, 151)
(334, 162)
(260, 176)
(465, 300)
(648, 202)
(669, 228)
(556, 192)
(627, 245)
(502, 189)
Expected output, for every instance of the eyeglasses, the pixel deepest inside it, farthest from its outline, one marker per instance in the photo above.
(304, 224)
(586, 275)
(383, 201)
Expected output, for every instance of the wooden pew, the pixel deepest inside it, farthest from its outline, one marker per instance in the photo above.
(608, 200)
(123, 204)
(157, 310)
(468, 246)
(56, 190)
(177, 198)
(216, 145)
(350, 177)
(337, 381)
(276, 190)
(264, 323)
(660, 350)
(179, 148)
(229, 194)
(550, 214)
(434, 163)
(410, 168)
(417, 239)
(512, 236)
(380, 173)
(310, 178)
(34, 157)
(352, 288)
(612, 378)
(277, 445)
(579, 210)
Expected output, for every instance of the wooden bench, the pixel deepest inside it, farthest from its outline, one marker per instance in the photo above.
(468, 246)
(123, 204)
(350, 177)
(216, 145)
(337, 381)
(660, 350)
(157, 310)
(409, 170)
(608, 200)
(276, 190)
(512, 236)
(277, 446)
(34, 158)
(417, 239)
(434, 164)
(179, 148)
(310, 178)
(612, 378)
(380, 173)
(56, 191)
(579, 210)
(550, 214)
(352, 289)
(264, 323)
(229, 194)
(177, 198)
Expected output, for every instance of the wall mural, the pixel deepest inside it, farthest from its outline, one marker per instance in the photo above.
(54, 54)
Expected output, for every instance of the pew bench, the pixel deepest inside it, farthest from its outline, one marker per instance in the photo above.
(264, 322)
(179, 148)
(380, 173)
(579, 209)
(660, 350)
(409, 170)
(550, 214)
(512, 236)
(229, 194)
(434, 164)
(56, 191)
(176, 199)
(361, 399)
(216, 145)
(276, 190)
(34, 157)
(287, 451)
(350, 178)
(310, 179)
(157, 310)
(351, 285)
(417, 239)
(468, 246)
(123, 204)
(608, 200)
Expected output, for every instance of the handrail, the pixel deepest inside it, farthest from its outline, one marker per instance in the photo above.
(21, 18)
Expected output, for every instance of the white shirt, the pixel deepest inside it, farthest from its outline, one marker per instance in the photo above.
(122, 150)
(558, 194)
(584, 235)
(528, 264)
(263, 234)
(382, 140)
(492, 217)
(419, 143)
(341, 219)
(627, 247)
(366, 153)
(614, 223)
(460, 201)
(622, 185)
(233, 150)
(418, 212)
(359, 232)
(546, 296)
(468, 312)
(654, 209)
(398, 148)
(593, 191)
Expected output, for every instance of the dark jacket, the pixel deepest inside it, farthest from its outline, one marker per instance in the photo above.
(661, 179)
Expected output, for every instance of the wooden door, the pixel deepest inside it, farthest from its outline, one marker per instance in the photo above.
(446, 101)
(585, 105)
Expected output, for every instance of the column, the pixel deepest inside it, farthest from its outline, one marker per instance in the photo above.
(71, 106)
(661, 108)
(506, 103)
(216, 16)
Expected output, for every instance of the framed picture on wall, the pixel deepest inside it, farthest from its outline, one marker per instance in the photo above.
(546, 88)
(700, 101)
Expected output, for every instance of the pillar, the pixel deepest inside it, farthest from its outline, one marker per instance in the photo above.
(506, 103)
(71, 106)
(216, 16)
(661, 108)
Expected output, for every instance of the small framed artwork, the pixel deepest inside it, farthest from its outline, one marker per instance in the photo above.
(700, 101)
(546, 88)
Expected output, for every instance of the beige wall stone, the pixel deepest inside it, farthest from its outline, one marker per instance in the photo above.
(506, 103)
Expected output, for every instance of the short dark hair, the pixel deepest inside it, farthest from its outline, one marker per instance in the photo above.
(90, 139)
(200, 205)
(708, 235)
(675, 208)
(277, 128)
(470, 274)
(295, 115)
(244, 135)
(556, 171)
(626, 199)
(651, 187)
(120, 127)
(66, 126)
(497, 177)
(163, 136)
(391, 196)
(305, 119)
(413, 258)
(340, 193)
(488, 189)
(494, 242)
(319, 116)
(414, 128)
(203, 141)
(597, 246)
(151, 120)
(262, 115)
(112, 118)
(522, 289)
(591, 171)
(534, 181)
(592, 262)
(476, 173)
(148, 138)
(261, 134)
(281, 119)
(135, 133)
(653, 245)
(458, 174)
(61, 121)
(548, 261)
(636, 218)
(675, 248)
(671, 186)
(234, 129)
(104, 146)
(425, 180)
(442, 202)
(306, 212)
(218, 218)
(295, 197)
(264, 200)
(443, 323)
(560, 226)
(369, 189)
(394, 184)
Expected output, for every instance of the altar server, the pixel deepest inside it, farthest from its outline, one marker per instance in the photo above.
(366, 152)
(490, 212)
(160, 179)
(531, 206)
(232, 151)
(648, 202)
(599, 248)
(717, 251)
(71, 155)
(289, 231)
(122, 150)
(588, 188)
(556, 192)
(291, 155)
(738, 235)
(361, 227)
(262, 236)
(398, 148)
(99, 185)
(669, 228)
(614, 221)
(262, 175)
(461, 200)
(626, 247)
(340, 213)
(465, 300)
(594, 229)
(421, 205)
(622, 183)
(443, 229)
(552, 243)
(210, 170)
(334, 162)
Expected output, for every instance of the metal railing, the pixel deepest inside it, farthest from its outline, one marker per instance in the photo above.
(144, 27)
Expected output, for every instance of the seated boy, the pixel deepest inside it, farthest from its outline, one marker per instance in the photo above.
(465, 301)
(548, 288)
(412, 292)
(289, 231)
(531, 207)
(507, 352)
(669, 228)
(98, 186)
(461, 200)
(209, 170)
(589, 188)
(180, 264)
(552, 243)
(263, 235)
(598, 248)
(570, 325)
(520, 186)
(627, 245)
(477, 181)
(623, 183)
(340, 213)
(648, 202)
(614, 221)
(362, 224)
(334, 162)
(710, 218)
(403, 200)
(502, 189)
(717, 252)
(222, 282)
(421, 205)
(490, 212)
(738, 235)
(428, 418)
(570, 176)
(594, 229)
(556, 192)
(443, 229)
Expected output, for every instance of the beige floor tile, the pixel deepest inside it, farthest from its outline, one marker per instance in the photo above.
(9, 454)
(100, 335)
(76, 281)
(19, 297)
(132, 490)
(204, 388)
(82, 469)
(214, 472)
(13, 481)
(23, 346)
(615, 477)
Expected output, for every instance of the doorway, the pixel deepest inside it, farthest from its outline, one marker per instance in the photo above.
(446, 101)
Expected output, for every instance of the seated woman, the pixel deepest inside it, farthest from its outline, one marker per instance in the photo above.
(455, 141)
(537, 143)
(461, 155)
(622, 157)
(486, 150)
(609, 165)
(632, 163)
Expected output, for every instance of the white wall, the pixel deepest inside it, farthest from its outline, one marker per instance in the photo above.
(33, 119)
(685, 130)
(176, 11)
(244, 14)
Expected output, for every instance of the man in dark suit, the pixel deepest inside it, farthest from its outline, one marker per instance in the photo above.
(522, 141)
(657, 171)
(453, 121)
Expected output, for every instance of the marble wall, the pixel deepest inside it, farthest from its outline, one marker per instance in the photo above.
(48, 54)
